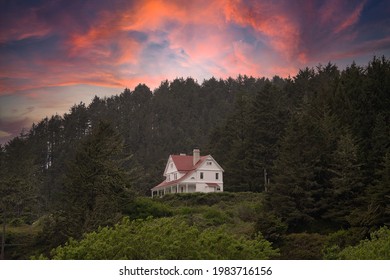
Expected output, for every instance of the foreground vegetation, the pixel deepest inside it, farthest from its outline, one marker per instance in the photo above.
(164, 238)
(306, 160)
(198, 226)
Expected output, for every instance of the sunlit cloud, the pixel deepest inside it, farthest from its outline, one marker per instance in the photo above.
(350, 20)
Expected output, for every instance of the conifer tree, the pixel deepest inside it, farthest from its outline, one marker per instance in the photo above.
(346, 183)
(96, 186)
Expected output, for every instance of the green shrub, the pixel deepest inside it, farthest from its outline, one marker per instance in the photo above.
(246, 212)
(375, 248)
(200, 199)
(341, 239)
(143, 207)
(215, 217)
(187, 211)
(163, 238)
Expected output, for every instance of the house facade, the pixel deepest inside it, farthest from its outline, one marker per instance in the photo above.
(190, 173)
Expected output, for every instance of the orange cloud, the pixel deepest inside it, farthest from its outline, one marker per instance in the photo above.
(104, 42)
(337, 14)
(281, 31)
(157, 14)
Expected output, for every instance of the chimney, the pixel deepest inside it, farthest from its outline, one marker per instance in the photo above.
(196, 156)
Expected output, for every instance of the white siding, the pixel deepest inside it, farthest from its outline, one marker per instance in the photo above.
(170, 167)
(209, 176)
(202, 187)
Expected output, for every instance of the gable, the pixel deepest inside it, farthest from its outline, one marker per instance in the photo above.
(170, 166)
(209, 163)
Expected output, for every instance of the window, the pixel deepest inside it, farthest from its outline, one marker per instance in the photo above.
(175, 176)
(209, 163)
(218, 189)
(201, 175)
(216, 176)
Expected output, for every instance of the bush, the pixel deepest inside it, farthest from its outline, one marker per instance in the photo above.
(215, 217)
(341, 239)
(197, 199)
(164, 238)
(143, 207)
(375, 248)
(246, 212)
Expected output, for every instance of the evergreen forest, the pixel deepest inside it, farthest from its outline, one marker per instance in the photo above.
(306, 160)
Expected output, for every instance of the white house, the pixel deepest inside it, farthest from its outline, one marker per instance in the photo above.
(188, 174)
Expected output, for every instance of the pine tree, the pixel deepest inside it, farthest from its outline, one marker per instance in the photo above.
(289, 194)
(346, 182)
(96, 186)
(376, 211)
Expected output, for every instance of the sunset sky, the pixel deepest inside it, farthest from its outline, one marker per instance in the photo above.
(56, 53)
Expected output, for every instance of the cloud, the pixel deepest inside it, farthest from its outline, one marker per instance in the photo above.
(275, 25)
(25, 24)
(351, 19)
(4, 134)
(11, 128)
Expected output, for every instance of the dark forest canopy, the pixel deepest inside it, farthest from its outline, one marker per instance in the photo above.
(321, 138)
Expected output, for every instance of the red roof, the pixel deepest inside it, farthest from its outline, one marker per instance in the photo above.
(184, 163)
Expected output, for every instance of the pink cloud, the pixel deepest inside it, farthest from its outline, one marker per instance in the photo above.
(351, 19)
(270, 20)
(26, 25)
(10, 128)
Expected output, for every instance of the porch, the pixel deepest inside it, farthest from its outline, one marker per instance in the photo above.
(177, 188)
